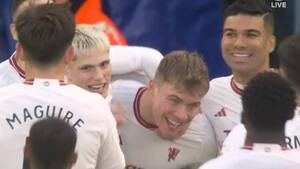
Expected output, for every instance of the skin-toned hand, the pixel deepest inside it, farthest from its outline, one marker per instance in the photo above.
(117, 109)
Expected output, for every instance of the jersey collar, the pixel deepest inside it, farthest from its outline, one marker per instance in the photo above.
(14, 64)
(136, 109)
(263, 147)
(236, 87)
(45, 82)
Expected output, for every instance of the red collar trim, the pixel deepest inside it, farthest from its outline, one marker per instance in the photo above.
(250, 147)
(235, 88)
(30, 82)
(13, 62)
(136, 109)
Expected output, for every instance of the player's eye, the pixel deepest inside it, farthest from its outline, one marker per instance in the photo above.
(104, 64)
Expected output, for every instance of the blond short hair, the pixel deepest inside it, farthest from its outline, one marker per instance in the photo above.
(89, 37)
(185, 70)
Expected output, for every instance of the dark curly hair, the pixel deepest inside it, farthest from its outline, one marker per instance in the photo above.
(268, 102)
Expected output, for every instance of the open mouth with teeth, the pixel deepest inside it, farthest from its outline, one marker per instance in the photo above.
(98, 88)
(173, 123)
(241, 57)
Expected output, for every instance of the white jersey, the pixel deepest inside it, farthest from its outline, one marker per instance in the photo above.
(126, 59)
(260, 156)
(10, 72)
(144, 149)
(237, 136)
(24, 103)
(222, 105)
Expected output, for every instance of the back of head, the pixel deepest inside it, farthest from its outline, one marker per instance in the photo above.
(45, 32)
(268, 102)
(184, 69)
(289, 59)
(52, 142)
(88, 37)
(19, 5)
(259, 8)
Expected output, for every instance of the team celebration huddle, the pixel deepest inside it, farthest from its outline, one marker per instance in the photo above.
(74, 97)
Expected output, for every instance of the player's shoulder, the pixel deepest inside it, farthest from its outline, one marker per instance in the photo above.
(219, 87)
(5, 68)
(201, 131)
(220, 81)
(83, 95)
(219, 162)
(11, 89)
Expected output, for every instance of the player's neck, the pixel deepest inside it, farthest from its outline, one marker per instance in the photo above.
(262, 136)
(33, 72)
(298, 98)
(20, 63)
(146, 107)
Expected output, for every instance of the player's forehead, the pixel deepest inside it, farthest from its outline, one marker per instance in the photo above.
(244, 23)
(179, 91)
(91, 55)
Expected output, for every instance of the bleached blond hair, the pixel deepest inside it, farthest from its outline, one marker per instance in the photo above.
(89, 37)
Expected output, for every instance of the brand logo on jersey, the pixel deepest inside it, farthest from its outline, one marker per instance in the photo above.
(173, 152)
(220, 113)
(226, 132)
(293, 142)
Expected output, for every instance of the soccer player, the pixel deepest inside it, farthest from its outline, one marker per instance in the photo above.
(288, 56)
(124, 59)
(246, 43)
(94, 59)
(164, 128)
(91, 67)
(51, 144)
(268, 102)
(45, 34)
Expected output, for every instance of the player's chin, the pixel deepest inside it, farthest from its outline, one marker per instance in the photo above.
(171, 134)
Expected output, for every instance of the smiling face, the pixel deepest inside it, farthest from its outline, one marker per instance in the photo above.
(173, 109)
(91, 71)
(246, 44)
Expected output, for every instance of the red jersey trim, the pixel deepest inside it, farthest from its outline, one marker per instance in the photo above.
(13, 62)
(136, 109)
(30, 82)
(250, 147)
(235, 88)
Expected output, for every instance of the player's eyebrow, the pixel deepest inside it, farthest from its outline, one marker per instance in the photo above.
(229, 30)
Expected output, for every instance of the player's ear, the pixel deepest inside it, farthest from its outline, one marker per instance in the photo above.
(20, 52)
(27, 149)
(271, 43)
(73, 158)
(13, 31)
(151, 84)
(69, 55)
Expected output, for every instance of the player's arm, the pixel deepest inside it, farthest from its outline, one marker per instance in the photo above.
(126, 59)
(110, 153)
(203, 132)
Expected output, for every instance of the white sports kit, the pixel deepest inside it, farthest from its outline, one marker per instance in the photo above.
(222, 105)
(258, 156)
(24, 103)
(10, 72)
(144, 149)
(237, 136)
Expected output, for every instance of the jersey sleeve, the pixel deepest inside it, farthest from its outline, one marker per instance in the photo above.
(110, 153)
(126, 59)
(235, 139)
